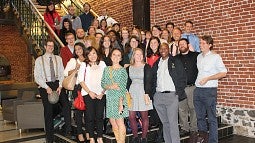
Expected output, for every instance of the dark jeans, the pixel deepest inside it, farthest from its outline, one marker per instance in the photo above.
(205, 100)
(48, 110)
(95, 115)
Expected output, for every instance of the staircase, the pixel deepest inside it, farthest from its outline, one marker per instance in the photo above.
(223, 132)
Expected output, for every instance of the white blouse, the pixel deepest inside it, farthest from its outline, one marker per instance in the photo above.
(92, 76)
(71, 64)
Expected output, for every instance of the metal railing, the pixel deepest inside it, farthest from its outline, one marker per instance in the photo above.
(36, 29)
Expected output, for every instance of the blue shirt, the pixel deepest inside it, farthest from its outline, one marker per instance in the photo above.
(193, 40)
(86, 20)
(209, 65)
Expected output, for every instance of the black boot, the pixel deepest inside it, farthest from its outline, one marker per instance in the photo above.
(160, 138)
(135, 140)
(203, 137)
(144, 140)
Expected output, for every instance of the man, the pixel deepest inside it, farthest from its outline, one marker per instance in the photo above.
(170, 27)
(192, 38)
(87, 17)
(210, 70)
(48, 74)
(66, 52)
(109, 20)
(186, 106)
(168, 83)
(174, 48)
(156, 32)
(80, 35)
(76, 21)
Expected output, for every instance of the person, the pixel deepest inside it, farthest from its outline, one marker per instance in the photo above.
(192, 38)
(66, 52)
(210, 69)
(87, 17)
(91, 31)
(174, 48)
(89, 77)
(48, 74)
(114, 81)
(170, 27)
(103, 25)
(115, 41)
(139, 87)
(75, 20)
(105, 49)
(95, 23)
(98, 38)
(168, 84)
(124, 36)
(116, 27)
(52, 17)
(80, 35)
(186, 106)
(132, 43)
(166, 35)
(148, 36)
(72, 65)
(156, 32)
(109, 20)
(67, 28)
(153, 51)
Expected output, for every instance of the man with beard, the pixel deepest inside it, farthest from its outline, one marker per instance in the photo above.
(87, 17)
(80, 35)
(168, 84)
(186, 106)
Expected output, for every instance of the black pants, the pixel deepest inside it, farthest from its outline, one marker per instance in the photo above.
(48, 110)
(95, 115)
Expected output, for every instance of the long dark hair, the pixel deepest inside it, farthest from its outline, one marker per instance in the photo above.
(83, 49)
(101, 46)
(89, 49)
(149, 50)
(70, 24)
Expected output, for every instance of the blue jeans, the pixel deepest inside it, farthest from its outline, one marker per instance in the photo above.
(205, 100)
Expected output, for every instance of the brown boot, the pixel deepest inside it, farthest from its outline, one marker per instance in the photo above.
(122, 133)
(116, 134)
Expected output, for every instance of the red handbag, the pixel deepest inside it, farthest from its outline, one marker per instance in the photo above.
(79, 102)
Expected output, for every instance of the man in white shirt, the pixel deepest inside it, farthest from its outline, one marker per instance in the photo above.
(110, 21)
(210, 69)
(48, 74)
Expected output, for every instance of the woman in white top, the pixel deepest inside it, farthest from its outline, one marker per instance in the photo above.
(89, 77)
(72, 65)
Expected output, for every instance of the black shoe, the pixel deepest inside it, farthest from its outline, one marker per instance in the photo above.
(160, 138)
(135, 140)
(69, 135)
(193, 137)
(184, 132)
(144, 140)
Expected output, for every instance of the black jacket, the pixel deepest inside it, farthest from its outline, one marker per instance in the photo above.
(146, 80)
(178, 74)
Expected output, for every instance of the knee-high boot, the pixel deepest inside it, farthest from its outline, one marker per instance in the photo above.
(116, 134)
(122, 133)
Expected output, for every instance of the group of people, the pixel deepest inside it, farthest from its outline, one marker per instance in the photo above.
(170, 74)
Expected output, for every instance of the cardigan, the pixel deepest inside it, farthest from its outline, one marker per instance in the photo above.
(146, 80)
(178, 74)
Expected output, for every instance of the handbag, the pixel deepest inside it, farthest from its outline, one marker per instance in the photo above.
(53, 98)
(69, 81)
(128, 95)
(79, 102)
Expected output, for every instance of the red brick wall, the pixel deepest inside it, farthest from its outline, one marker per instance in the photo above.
(13, 47)
(232, 25)
(121, 11)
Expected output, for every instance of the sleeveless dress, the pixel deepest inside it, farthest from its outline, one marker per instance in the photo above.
(119, 76)
(136, 89)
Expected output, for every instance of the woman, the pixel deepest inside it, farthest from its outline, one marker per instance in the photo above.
(92, 31)
(89, 77)
(103, 25)
(66, 28)
(124, 36)
(153, 51)
(114, 81)
(73, 65)
(105, 49)
(52, 17)
(95, 23)
(139, 86)
(132, 43)
(166, 35)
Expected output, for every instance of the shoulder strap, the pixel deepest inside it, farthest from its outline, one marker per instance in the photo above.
(44, 68)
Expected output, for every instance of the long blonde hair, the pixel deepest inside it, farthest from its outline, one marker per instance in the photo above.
(132, 59)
